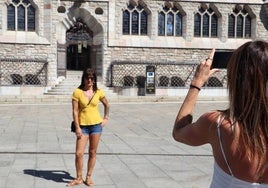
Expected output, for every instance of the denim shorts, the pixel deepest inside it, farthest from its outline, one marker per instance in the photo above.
(91, 129)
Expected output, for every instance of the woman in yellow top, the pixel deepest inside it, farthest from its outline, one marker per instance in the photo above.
(88, 123)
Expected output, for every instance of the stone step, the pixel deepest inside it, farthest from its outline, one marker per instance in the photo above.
(72, 81)
(68, 90)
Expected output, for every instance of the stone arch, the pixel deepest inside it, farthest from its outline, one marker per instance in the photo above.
(94, 45)
(90, 21)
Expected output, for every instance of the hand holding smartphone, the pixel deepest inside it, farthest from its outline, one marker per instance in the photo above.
(221, 59)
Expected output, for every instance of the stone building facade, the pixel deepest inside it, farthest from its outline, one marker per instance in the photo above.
(45, 38)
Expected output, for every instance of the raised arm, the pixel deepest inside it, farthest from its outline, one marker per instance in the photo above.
(183, 126)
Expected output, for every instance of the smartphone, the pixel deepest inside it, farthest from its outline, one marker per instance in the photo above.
(221, 59)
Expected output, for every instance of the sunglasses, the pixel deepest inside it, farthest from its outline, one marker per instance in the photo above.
(90, 78)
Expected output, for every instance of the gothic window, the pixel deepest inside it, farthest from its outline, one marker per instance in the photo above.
(135, 20)
(239, 23)
(161, 23)
(197, 24)
(20, 16)
(126, 22)
(31, 18)
(214, 25)
(11, 17)
(231, 26)
(205, 23)
(170, 21)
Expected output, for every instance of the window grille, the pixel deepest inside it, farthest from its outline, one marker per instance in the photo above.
(20, 16)
(163, 81)
(176, 81)
(170, 21)
(167, 75)
(239, 23)
(214, 82)
(205, 23)
(135, 20)
(23, 72)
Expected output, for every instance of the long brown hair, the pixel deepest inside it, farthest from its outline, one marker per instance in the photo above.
(89, 72)
(247, 74)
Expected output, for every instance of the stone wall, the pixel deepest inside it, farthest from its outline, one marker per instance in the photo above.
(184, 49)
(111, 45)
(187, 40)
(159, 54)
(41, 44)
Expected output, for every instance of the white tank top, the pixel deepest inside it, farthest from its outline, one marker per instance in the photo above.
(221, 179)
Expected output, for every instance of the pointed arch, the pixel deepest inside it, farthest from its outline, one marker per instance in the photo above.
(135, 18)
(206, 21)
(240, 22)
(21, 15)
(170, 19)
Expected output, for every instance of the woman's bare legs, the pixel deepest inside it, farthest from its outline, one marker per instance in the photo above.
(93, 145)
(81, 143)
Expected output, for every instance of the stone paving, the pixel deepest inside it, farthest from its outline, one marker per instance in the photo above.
(136, 149)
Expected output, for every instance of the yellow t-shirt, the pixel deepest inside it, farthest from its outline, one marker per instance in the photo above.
(88, 114)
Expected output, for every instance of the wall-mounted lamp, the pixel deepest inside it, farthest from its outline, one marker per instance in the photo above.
(79, 47)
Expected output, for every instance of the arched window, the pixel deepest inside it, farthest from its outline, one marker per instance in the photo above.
(214, 82)
(231, 26)
(135, 20)
(20, 16)
(128, 81)
(170, 21)
(163, 81)
(239, 23)
(177, 82)
(205, 23)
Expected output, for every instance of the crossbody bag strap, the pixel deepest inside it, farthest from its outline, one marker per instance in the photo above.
(91, 99)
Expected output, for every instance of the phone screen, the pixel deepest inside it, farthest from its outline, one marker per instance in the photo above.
(220, 60)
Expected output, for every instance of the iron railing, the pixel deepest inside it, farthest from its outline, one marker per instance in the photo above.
(167, 75)
(26, 72)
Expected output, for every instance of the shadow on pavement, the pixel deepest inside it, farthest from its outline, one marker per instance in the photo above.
(54, 175)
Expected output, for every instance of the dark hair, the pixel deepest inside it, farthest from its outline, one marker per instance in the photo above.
(89, 72)
(247, 75)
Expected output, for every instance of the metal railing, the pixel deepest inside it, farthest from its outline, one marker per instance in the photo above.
(26, 72)
(167, 75)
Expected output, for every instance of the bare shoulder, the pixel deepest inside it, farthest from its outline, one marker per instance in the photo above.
(208, 123)
(209, 118)
(201, 131)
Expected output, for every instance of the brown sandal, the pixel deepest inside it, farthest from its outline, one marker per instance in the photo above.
(74, 182)
(89, 182)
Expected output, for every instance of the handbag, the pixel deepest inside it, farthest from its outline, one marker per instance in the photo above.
(72, 127)
(72, 123)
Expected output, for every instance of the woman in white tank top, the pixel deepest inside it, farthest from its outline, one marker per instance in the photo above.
(238, 135)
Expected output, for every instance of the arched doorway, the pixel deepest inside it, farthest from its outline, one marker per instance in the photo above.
(79, 41)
